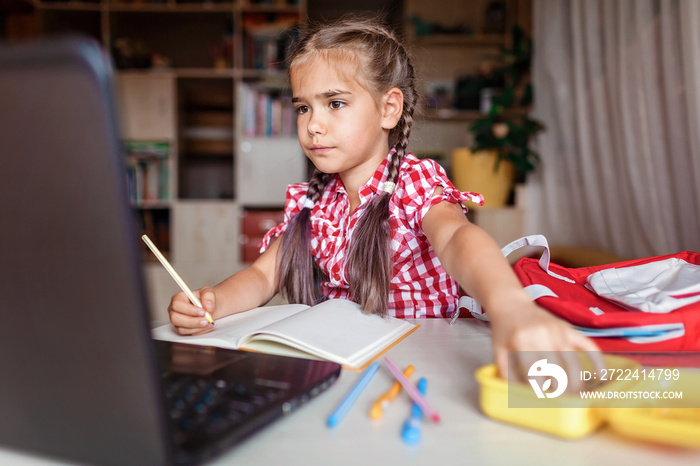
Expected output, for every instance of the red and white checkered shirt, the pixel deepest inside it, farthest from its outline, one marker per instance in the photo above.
(420, 287)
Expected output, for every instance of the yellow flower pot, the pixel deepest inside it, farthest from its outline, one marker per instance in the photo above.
(475, 172)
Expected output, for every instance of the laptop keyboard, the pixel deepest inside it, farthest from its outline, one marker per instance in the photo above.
(210, 406)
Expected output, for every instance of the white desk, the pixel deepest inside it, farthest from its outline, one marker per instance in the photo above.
(447, 356)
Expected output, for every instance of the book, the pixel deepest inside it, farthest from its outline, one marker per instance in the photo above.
(335, 330)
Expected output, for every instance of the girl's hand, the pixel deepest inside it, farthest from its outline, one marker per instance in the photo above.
(530, 333)
(189, 319)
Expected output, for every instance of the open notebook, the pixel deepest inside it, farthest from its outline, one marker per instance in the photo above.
(81, 377)
(335, 330)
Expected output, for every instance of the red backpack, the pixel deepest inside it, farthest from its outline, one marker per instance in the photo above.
(649, 304)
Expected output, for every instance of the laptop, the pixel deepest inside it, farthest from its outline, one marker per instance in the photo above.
(81, 377)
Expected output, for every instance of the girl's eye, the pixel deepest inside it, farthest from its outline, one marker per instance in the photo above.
(302, 109)
(336, 104)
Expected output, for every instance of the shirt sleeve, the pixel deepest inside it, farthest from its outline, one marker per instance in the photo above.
(421, 183)
(296, 196)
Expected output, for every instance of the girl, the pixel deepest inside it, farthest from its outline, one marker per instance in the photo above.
(375, 224)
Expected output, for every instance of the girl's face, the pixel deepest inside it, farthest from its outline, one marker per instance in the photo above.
(341, 127)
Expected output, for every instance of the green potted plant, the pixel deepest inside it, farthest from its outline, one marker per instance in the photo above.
(502, 136)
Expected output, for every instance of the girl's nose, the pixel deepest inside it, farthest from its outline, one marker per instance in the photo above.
(315, 124)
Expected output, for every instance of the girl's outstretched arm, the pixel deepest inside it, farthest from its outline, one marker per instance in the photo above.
(247, 289)
(475, 261)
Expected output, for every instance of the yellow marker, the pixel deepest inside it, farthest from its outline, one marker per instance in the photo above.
(378, 407)
(176, 277)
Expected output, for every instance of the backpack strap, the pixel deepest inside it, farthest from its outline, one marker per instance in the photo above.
(537, 241)
(475, 309)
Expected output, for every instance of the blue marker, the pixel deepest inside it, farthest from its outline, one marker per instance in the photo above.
(345, 405)
(410, 432)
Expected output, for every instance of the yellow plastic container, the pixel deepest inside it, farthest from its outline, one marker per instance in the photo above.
(569, 423)
(571, 417)
(671, 426)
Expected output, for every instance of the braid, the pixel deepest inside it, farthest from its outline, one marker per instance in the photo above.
(317, 184)
(399, 135)
(369, 268)
(296, 269)
(403, 131)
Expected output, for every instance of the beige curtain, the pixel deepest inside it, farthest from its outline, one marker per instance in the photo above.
(617, 84)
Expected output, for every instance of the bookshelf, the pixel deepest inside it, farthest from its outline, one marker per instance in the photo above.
(208, 129)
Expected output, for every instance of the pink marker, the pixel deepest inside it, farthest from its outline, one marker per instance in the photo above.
(412, 391)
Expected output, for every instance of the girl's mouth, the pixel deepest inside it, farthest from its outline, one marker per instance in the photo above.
(320, 149)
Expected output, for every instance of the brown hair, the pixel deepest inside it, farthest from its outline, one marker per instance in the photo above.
(383, 63)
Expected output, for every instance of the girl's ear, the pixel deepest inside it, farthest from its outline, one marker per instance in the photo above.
(392, 108)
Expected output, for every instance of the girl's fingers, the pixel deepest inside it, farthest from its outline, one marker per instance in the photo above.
(207, 298)
(188, 321)
(181, 304)
(501, 360)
